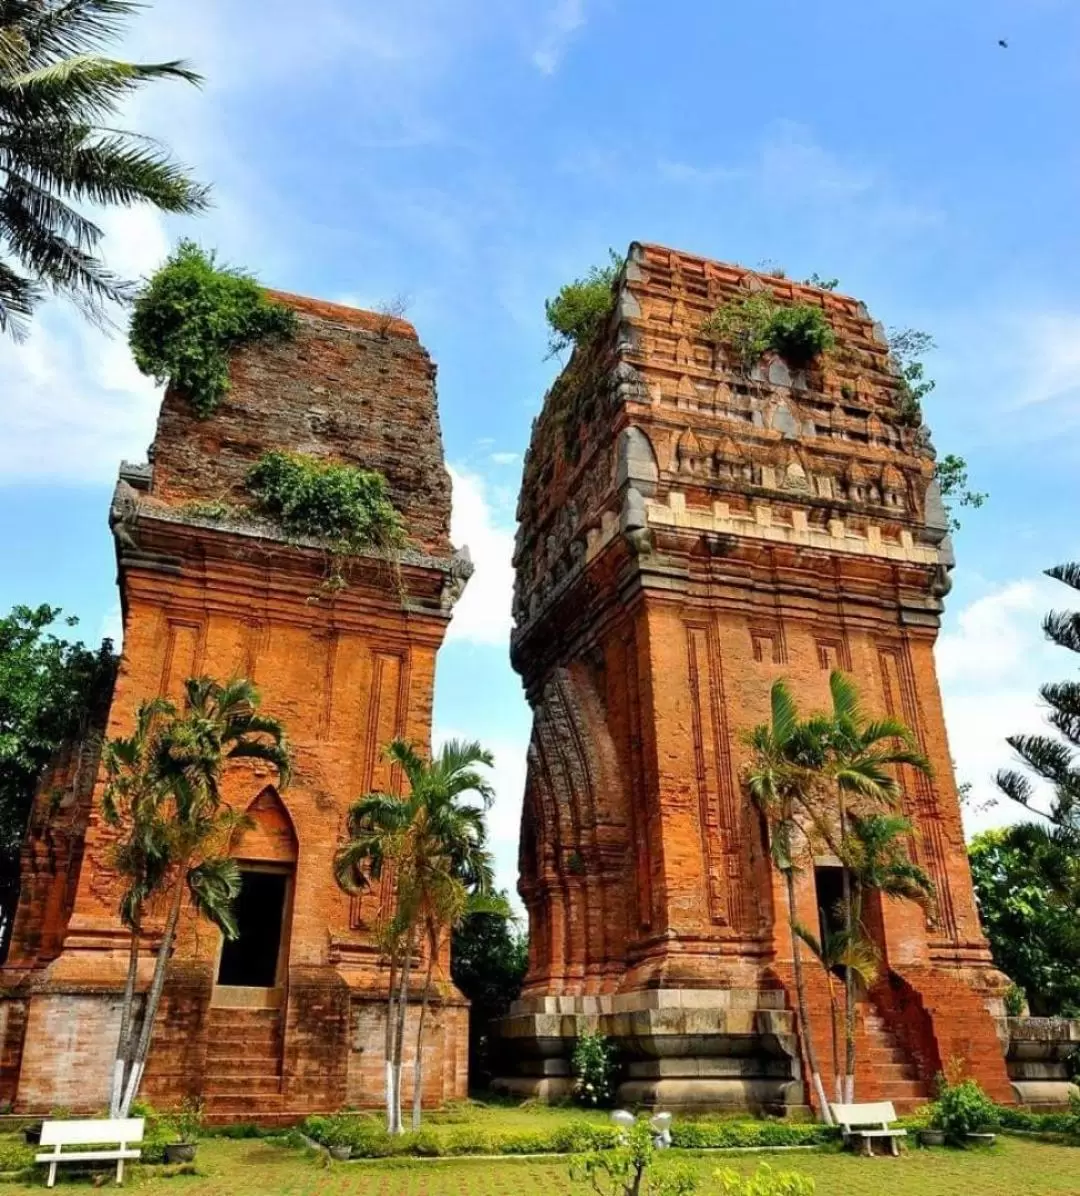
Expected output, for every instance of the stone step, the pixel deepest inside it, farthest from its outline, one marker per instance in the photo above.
(256, 1084)
(243, 1104)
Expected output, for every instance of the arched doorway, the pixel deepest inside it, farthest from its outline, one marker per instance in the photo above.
(252, 967)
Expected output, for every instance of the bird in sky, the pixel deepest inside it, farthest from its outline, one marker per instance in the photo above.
(1003, 43)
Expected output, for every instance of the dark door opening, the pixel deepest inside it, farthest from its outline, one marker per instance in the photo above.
(251, 959)
(829, 884)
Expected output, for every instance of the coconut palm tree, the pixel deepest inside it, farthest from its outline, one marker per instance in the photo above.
(192, 824)
(782, 772)
(434, 849)
(60, 151)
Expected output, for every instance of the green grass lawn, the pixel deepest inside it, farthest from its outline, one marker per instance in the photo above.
(1014, 1167)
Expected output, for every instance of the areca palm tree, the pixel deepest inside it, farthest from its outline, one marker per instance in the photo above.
(132, 803)
(433, 847)
(181, 815)
(782, 772)
(60, 151)
(839, 952)
(862, 759)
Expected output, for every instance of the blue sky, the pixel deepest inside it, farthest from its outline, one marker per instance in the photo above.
(471, 155)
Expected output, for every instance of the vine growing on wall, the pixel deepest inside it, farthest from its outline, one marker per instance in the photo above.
(346, 508)
(191, 314)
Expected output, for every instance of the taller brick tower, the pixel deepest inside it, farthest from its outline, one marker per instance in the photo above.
(290, 1018)
(689, 533)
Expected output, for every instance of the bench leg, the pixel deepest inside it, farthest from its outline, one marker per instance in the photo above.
(894, 1147)
(120, 1170)
(52, 1175)
(868, 1147)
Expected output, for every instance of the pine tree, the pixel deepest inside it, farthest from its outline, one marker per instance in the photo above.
(1054, 760)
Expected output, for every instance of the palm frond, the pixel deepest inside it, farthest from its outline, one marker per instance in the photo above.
(214, 884)
(845, 697)
(785, 714)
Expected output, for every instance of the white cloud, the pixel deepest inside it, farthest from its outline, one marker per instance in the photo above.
(991, 663)
(1050, 350)
(562, 21)
(791, 166)
(483, 614)
(505, 458)
(73, 402)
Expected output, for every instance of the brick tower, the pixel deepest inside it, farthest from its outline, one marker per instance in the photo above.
(289, 1019)
(689, 533)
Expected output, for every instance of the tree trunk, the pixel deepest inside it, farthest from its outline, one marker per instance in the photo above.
(153, 997)
(389, 1047)
(403, 1009)
(834, 1018)
(418, 1062)
(800, 1003)
(123, 1043)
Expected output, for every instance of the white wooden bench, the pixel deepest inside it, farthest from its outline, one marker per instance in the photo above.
(100, 1134)
(867, 1122)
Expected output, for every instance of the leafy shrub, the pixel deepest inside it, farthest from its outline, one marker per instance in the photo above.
(347, 507)
(593, 1068)
(582, 306)
(727, 1135)
(963, 1108)
(242, 1129)
(470, 1142)
(1067, 1124)
(579, 1136)
(191, 314)
(753, 326)
(800, 333)
(765, 1182)
(1014, 1001)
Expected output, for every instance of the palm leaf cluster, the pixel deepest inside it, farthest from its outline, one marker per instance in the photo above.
(174, 831)
(431, 846)
(828, 784)
(62, 154)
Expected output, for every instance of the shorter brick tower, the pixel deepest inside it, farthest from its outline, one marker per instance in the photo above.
(689, 533)
(289, 1019)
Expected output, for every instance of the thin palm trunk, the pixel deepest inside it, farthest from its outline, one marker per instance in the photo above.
(418, 1062)
(389, 1049)
(849, 974)
(403, 1008)
(123, 1042)
(153, 997)
(834, 1020)
(800, 1003)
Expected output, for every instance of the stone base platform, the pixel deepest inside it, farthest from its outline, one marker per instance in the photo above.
(1038, 1059)
(732, 1049)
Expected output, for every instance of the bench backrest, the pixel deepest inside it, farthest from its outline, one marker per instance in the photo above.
(91, 1133)
(881, 1113)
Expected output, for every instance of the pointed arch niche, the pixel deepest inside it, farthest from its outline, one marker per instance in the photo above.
(252, 967)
